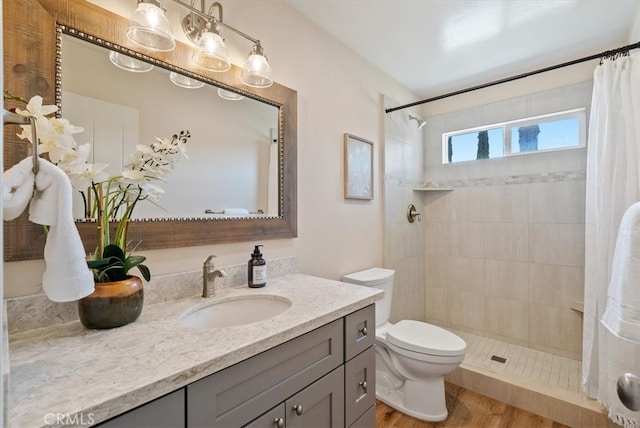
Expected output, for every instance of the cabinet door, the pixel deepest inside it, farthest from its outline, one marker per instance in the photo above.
(321, 404)
(359, 385)
(274, 418)
(238, 394)
(359, 331)
(167, 411)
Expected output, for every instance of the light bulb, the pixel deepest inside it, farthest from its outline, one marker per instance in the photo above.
(256, 71)
(211, 52)
(149, 28)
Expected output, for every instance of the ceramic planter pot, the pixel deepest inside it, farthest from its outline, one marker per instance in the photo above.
(112, 304)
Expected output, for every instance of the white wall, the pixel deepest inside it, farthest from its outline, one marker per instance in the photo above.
(338, 92)
(634, 34)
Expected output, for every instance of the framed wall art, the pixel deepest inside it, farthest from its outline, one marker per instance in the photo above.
(358, 168)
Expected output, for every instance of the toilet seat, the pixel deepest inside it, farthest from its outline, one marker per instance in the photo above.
(422, 338)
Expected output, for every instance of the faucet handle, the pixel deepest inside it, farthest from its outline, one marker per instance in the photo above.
(208, 261)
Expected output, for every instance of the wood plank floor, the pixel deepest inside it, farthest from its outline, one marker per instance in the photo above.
(466, 409)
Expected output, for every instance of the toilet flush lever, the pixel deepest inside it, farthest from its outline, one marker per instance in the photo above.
(412, 213)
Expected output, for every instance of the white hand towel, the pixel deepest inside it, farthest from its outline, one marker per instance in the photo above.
(67, 276)
(622, 313)
(17, 188)
(236, 211)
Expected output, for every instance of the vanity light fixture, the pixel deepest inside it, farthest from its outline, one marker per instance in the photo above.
(205, 30)
(184, 81)
(211, 52)
(150, 28)
(256, 71)
(127, 63)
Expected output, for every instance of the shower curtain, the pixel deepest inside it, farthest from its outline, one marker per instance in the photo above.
(613, 184)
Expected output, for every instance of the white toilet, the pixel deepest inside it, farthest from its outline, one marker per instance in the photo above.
(412, 357)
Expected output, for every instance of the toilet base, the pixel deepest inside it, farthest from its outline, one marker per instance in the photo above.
(395, 398)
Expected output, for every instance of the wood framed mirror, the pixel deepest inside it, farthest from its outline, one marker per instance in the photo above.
(33, 31)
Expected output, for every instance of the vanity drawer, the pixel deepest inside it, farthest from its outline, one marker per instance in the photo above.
(360, 331)
(359, 385)
(238, 394)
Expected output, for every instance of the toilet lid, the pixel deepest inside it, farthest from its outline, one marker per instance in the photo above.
(425, 338)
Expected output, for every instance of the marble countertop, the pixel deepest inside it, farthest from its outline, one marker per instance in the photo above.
(93, 375)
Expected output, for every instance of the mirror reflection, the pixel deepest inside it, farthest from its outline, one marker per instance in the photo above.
(233, 164)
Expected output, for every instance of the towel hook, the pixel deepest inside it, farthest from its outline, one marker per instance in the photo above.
(10, 118)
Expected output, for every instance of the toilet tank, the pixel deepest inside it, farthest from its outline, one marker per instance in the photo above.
(377, 278)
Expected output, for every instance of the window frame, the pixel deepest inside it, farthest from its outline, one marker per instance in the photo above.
(507, 126)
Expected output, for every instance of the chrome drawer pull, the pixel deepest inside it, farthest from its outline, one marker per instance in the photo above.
(298, 409)
(364, 331)
(278, 422)
(363, 385)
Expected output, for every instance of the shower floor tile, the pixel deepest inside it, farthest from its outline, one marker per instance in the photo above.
(537, 366)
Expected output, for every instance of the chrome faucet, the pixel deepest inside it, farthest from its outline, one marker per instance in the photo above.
(209, 274)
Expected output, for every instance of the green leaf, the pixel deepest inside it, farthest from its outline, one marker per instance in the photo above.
(146, 273)
(113, 251)
(133, 261)
(97, 264)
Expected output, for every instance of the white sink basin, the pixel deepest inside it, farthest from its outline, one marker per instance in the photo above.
(235, 311)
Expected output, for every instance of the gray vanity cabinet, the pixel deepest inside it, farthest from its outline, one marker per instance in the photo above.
(237, 395)
(360, 368)
(321, 404)
(359, 385)
(164, 412)
(274, 418)
(324, 378)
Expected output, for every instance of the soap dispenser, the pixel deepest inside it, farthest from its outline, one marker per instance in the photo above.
(257, 273)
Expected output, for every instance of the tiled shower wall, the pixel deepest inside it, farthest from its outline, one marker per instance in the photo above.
(504, 249)
(404, 242)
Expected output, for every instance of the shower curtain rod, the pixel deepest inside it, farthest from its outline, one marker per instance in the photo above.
(604, 54)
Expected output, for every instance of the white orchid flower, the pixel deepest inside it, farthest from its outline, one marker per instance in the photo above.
(134, 177)
(35, 108)
(153, 191)
(44, 127)
(83, 175)
(143, 181)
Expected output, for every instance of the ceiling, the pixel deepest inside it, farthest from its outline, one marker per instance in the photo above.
(438, 46)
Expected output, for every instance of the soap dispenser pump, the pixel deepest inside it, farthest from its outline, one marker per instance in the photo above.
(257, 273)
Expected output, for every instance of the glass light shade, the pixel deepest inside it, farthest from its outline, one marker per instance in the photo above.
(211, 53)
(256, 72)
(149, 28)
(125, 62)
(184, 81)
(228, 95)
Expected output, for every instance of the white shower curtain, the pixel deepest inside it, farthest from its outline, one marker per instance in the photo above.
(613, 184)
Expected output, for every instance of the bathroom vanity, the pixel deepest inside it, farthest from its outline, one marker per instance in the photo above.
(312, 363)
(323, 378)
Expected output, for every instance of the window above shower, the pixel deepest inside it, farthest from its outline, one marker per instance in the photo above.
(549, 132)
